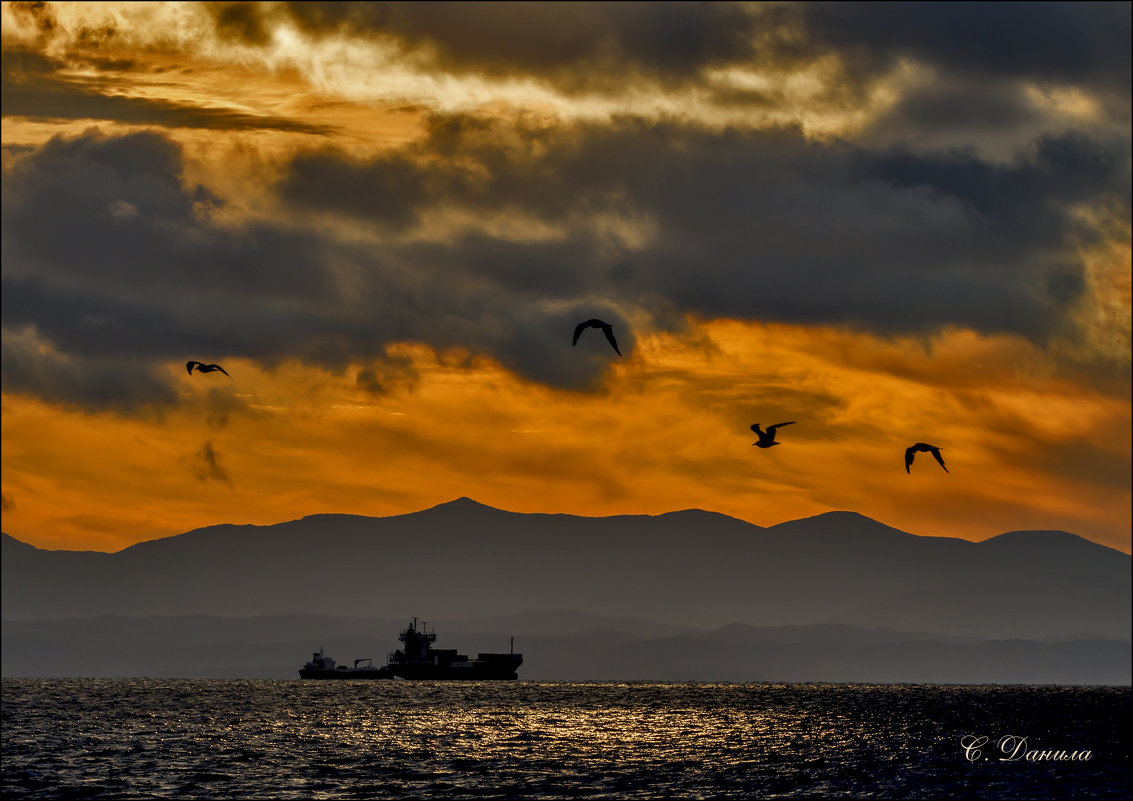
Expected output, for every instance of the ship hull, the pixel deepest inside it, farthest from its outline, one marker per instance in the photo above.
(501, 670)
(345, 673)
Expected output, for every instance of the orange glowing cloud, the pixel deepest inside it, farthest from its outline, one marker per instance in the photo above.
(669, 431)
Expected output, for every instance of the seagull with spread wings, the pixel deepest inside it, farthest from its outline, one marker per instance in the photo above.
(767, 438)
(204, 368)
(911, 452)
(607, 329)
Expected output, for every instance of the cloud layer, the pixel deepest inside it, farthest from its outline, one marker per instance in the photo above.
(385, 220)
(639, 221)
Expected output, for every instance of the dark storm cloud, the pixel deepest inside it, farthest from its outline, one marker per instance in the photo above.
(112, 261)
(575, 45)
(983, 60)
(390, 191)
(1074, 42)
(34, 87)
(142, 277)
(759, 224)
(751, 225)
(134, 231)
(946, 112)
(88, 383)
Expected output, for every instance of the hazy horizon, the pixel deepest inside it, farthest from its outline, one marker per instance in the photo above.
(557, 645)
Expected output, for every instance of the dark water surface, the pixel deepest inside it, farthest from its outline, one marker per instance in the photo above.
(156, 738)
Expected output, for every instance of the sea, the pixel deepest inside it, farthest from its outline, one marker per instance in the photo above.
(259, 739)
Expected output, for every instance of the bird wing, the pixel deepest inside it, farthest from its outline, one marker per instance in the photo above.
(780, 425)
(189, 366)
(910, 454)
(218, 367)
(939, 458)
(578, 329)
(755, 428)
(609, 331)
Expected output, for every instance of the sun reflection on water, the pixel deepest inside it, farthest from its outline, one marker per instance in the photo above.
(291, 739)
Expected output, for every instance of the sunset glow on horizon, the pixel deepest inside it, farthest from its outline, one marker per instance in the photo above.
(385, 220)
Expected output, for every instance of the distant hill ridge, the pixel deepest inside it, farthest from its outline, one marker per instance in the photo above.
(557, 645)
(842, 522)
(684, 568)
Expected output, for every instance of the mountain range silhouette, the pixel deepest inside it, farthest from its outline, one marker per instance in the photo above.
(690, 568)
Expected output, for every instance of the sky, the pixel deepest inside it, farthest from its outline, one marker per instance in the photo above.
(889, 223)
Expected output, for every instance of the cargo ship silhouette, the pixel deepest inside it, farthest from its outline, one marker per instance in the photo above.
(419, 661)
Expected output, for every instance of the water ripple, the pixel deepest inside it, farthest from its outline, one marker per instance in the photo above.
(135, 739)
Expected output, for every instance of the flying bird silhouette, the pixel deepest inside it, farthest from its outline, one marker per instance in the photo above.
(205, 368)
(911, 452)
(767, 438)
(607, 329)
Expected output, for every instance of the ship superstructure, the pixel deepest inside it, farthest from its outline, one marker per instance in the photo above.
(420, 660)
(322, 666)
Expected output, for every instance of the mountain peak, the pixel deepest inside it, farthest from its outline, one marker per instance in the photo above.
(843, 516)
(462, 504)
(702, 516)
(1042, 538)
(841, 523)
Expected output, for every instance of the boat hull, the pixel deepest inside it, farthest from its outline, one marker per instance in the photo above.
(503, 667)
(345, 673)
